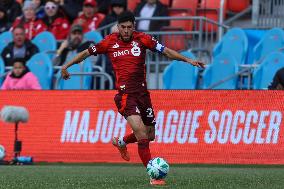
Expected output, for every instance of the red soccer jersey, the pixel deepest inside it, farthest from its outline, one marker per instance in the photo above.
(128, 58)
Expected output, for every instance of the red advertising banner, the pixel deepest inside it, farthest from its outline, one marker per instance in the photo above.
(228, 127)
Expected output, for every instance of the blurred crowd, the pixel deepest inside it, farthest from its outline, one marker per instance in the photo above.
(57, 16)
(67, 20)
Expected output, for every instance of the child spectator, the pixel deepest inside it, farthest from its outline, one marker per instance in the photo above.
(20, 78)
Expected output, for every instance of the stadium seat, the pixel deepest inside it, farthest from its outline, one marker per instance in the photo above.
(179, 75)
(235, 43)
(93, 36)
(179, 6)
(210, 9)
(237, 6)
(263, 75)
(41, 65)
(166, 2)
(131, 4)
(223, 67)
(271, 41)
(20, 1)
(77, 82)
(177, 41)
(46, 43)
(5, 38)
(185, 25)
(2, 71)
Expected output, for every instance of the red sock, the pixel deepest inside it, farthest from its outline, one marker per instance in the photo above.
(144, 151)
(131, 138)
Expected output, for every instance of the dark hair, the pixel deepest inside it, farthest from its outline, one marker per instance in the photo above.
(119, 3)
(22, 60)
(126, 16)
(20, 26)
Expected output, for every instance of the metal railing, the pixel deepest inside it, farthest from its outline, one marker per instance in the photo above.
(221, 19)
(246, 72)
(94, 74)
(268, 13)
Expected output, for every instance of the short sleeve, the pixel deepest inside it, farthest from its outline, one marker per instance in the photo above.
(100, 48)
(151, 43)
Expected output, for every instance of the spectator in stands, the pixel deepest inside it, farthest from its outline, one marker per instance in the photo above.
(19, 48)
(148, 9)
(32, 25)
(12, 8)
(71, 8)
(20, 78)
(4, 24)
(90, 18)
(117, 7)
(278, 80)
(73, 45)
(104, 6)
(56, 21)
(39, 8)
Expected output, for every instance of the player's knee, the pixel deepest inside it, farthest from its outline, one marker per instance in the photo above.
(140, 134)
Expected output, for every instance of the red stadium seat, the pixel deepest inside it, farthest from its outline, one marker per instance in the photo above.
(189, 6)
(131, 4)
(176, 41)
(166, 2)
(186, 25)
(20, 1)
(238, 6)
(210, 9)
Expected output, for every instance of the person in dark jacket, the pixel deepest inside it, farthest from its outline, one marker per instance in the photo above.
(74, 44)
(39, 4)
(117, 7)
(72, 8)
(104, 6)
(278, 80)
(148, 9)
(4, 24)
(13, 9)
(19, 48)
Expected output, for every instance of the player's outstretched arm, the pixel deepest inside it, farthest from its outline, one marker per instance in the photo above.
(172, 54)
(77, 59)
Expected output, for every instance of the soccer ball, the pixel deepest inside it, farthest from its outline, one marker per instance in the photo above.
(2, 152)
(157, 168)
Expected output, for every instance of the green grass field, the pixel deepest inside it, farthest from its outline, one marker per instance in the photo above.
(106, 176)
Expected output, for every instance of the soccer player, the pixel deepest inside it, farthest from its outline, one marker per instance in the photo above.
(126, 50)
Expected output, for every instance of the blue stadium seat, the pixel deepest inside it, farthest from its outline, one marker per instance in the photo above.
(271, 41)
(179, 75)
(223, 66)
(77, 82)
(5, 38)
(46, 42)
(235, 43)
(264, 74)
(93, 36)
(41, 65)
(2, 71)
